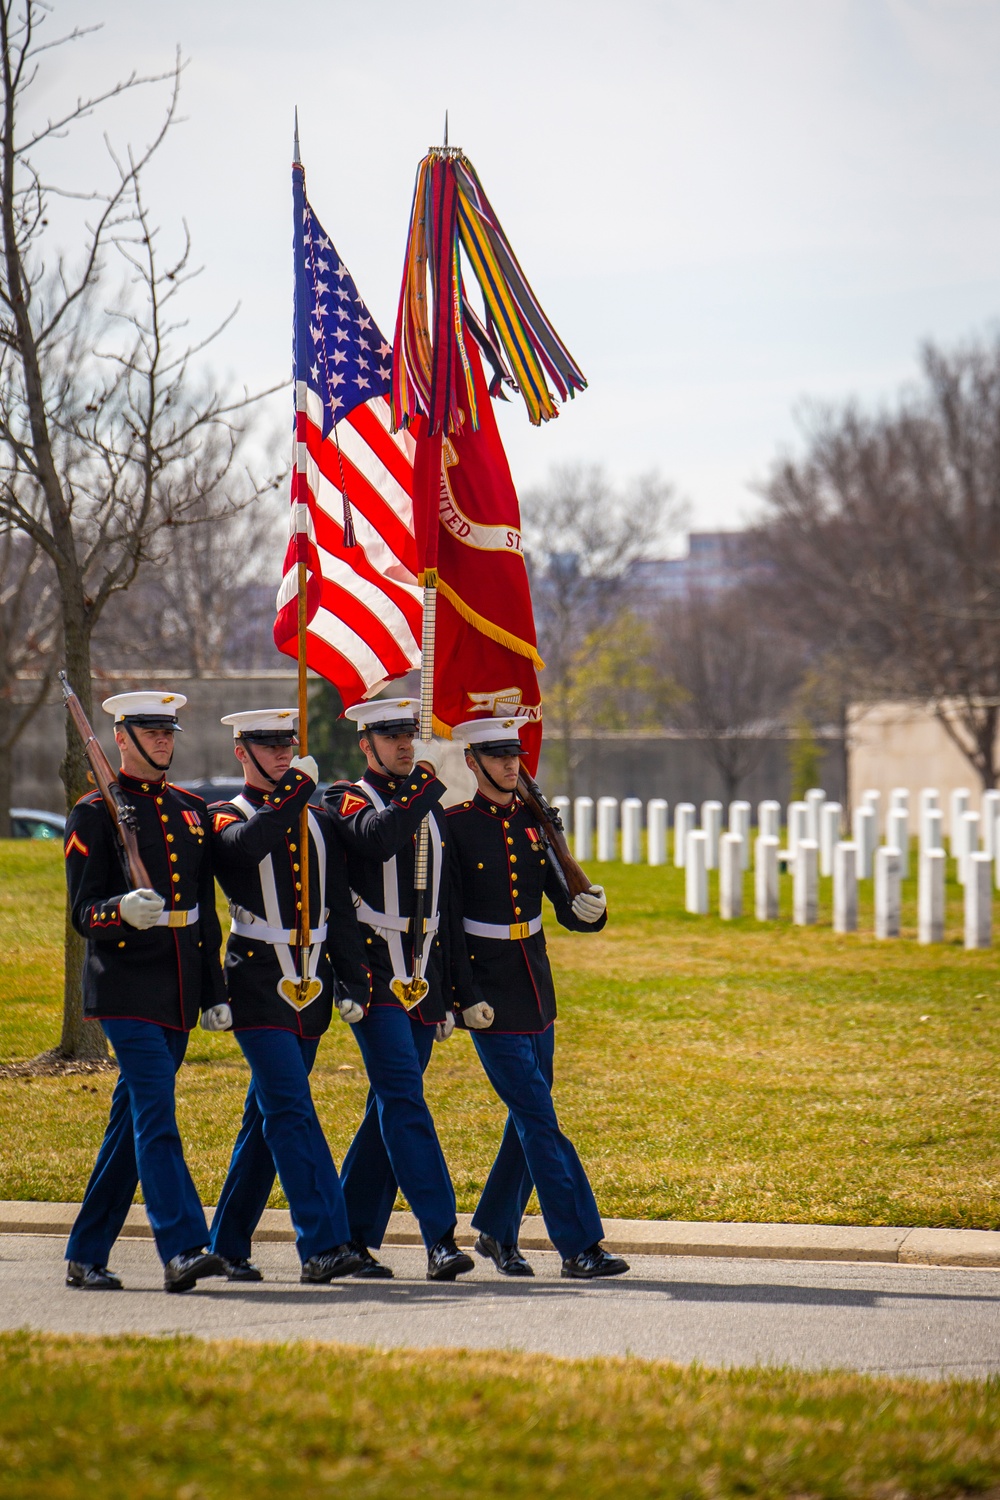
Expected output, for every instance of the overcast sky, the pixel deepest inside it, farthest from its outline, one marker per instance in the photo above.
(725, 206)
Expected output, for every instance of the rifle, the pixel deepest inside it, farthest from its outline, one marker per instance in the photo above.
(120, 810)
(574, 875)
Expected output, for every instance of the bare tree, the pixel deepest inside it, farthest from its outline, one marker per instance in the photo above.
(733, 674)
(29, 613)
(107, 439)
(885, 542)
(581, 536)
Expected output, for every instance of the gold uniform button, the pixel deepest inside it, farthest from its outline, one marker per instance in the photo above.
(506, 824)
(513, 859)
(423, 776)
(510, 840)
(249, 953)
(159, 801)
(170, 838)
(145, 786)
(404, 799)
(176, 877)
(163, 817)
(298, 887)
(368, 941)
(295, 868)
(174, 858)
(292, 848)
(517, 911)
(122, 943)
(479, 867)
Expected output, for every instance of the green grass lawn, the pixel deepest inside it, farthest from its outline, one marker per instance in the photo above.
(175, 1419)
(705, 1070)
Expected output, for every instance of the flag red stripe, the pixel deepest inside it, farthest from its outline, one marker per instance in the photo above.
(330, 537)
(367, 425)
(363, 496)
(326, 660)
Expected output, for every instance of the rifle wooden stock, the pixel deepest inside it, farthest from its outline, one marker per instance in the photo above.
(528, 790)
(119, 808)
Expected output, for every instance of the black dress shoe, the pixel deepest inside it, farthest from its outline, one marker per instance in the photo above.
(91, 1278)
(445, 1260)
(592, 1263)
(370, 1269)
(181, 1273)
(241, 1269)
(342, 1260)
(507, 1258)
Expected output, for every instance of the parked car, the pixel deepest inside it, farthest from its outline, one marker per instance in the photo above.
(34, 823)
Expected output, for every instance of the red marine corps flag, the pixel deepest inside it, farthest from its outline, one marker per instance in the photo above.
(466, 516)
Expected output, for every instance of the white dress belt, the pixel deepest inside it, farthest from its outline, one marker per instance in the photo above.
(246, 924)
(177, 918)
(514, 933)
(384, 919)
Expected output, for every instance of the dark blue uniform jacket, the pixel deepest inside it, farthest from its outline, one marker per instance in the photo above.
(168, 975)
(499, 873)
(253, 970)
(370, 837)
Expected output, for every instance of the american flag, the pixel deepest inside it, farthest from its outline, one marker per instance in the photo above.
(364, 604)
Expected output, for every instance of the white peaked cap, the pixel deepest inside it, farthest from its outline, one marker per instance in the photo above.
(263, 721)
(489, 731)
(390, 715)
(145, 705)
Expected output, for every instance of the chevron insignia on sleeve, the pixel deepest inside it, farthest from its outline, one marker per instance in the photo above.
(75, 842)
(221, 820)
(352, 802)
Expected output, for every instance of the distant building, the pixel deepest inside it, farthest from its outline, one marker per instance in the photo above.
(715, 561)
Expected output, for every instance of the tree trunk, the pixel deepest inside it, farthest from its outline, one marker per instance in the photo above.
(6, 766)
(80, 1038)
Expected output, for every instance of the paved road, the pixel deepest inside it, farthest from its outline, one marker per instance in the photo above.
(927, 1321)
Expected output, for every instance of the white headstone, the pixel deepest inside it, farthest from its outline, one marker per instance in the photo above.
(739, 822)
(932, 834)
(968, 843)
(696, 872)
(865, 838)
(683, 823)
(989, 811)
(769, 820)
(930, 895)
(929, 802)
(873, 800)
(899, 797)
(887, 892)
(731, 876)
(631, 831)
(711, 822)
(845, 888)
(583, 828)
(805, 883)
(958, 807)
(897, 835)
(979, 900)
(797, 826)
(656, 831)
(766, 878)
(829, 835)
(815, 797)
(607, 829)
(563, 806)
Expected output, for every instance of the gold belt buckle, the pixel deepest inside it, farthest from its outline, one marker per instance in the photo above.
(520, 930)
(177, 919)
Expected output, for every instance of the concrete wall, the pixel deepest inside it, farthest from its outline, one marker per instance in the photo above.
(903, 744)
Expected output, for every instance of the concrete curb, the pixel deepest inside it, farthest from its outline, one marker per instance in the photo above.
(840, 1242)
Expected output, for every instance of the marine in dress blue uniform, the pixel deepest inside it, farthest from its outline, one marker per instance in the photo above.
(279, 1019)
(377, 819)
(500, 870)
(151, 967)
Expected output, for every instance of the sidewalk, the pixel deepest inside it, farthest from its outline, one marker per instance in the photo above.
(831, 1242)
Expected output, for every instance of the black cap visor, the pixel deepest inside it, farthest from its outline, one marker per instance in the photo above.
(152, 721)
(499, 747)
(276, 739)
(390, 726)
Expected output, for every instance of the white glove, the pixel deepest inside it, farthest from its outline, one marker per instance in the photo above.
(141, 908)
(590, 905)
(444, 1029)
(350, 1010)
(478, 1017)
(217, 1018)
(306, 765)
(428, 752)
